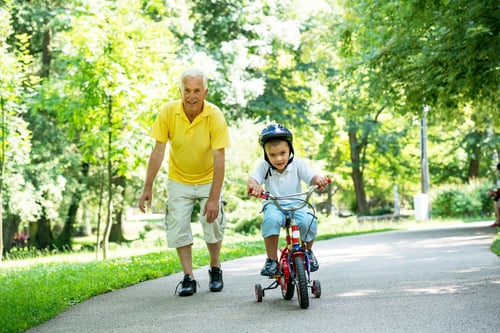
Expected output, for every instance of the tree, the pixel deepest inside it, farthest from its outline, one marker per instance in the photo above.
(17, 85)
(100, 89)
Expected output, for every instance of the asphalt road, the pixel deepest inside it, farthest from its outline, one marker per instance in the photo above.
(428, 280)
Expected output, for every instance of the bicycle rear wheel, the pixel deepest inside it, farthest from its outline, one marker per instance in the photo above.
(301, 282)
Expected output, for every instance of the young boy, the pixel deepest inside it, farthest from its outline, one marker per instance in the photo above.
(281, 174)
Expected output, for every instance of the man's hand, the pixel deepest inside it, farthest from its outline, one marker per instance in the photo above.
(211, 210)
(146, 196)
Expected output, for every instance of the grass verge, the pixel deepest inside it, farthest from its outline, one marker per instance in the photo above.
(495, 246)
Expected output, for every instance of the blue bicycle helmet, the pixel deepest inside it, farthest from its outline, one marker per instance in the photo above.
(276, 131)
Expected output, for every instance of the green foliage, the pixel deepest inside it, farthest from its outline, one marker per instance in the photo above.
(241, 158)
(327, 71)
(462, 201)
(495, 246)
(246, 216)
(31, 296)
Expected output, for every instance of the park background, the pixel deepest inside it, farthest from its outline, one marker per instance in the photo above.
(391, 99)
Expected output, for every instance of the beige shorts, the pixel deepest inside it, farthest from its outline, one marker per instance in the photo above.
(180, 203)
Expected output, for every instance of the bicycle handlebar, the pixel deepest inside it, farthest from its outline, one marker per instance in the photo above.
(275, 199)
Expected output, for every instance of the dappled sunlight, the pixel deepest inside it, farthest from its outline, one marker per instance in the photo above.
(431, 259)
(436, 290)
(359, 253)
(470, 270)
(358, 293)
(457, 241)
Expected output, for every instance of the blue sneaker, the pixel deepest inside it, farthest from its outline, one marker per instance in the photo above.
(313, 261)
(270, 268)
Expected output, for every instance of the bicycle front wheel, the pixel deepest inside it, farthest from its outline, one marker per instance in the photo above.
(301, 282)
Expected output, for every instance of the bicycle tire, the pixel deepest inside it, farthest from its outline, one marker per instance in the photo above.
(259, 292)
(301, 282)
(287, 290)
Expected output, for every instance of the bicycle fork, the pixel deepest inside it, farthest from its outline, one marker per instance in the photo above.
(295, 248)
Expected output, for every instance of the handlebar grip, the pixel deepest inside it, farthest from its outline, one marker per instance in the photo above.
(328, 180)
(263, 194)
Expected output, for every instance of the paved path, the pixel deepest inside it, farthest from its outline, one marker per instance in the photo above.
(429, 280)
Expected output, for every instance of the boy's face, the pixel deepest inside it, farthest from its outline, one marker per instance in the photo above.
(278, 153)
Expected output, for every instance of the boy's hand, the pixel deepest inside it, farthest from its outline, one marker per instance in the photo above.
(322, 182)
(253, 189)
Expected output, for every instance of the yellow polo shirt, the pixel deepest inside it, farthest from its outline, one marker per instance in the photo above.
(190, 158)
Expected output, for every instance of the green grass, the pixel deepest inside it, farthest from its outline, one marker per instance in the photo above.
(33, 291)
(495, 246)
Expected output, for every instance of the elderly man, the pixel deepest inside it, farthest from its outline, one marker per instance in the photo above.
(198, 136)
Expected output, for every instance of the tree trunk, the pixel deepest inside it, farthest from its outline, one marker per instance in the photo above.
(10, 226)
(116, 234)
(109, 218)
(474, 164)
(357, 174)
(63, 241)
(2, 169)
(41, 235)
(46, 53)
(1, 222)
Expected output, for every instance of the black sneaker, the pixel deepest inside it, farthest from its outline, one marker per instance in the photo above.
(313, 261)
(216, 283)
(188, 286)
(270, 268)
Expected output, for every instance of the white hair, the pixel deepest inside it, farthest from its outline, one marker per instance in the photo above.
(194, 73)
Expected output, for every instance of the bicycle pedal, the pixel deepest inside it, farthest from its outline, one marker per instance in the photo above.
(275, 276)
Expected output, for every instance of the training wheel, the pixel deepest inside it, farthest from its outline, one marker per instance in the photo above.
(259, 293)
(316, 288)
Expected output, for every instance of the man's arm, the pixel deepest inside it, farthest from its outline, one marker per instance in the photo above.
(211, 209)
(154, 164)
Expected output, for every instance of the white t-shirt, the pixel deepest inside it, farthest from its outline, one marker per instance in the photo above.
(285, 183)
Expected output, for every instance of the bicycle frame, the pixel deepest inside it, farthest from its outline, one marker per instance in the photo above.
(293, 245)
(294, 262)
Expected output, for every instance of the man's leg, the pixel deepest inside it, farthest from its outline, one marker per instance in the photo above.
(186, 259)
(497, 214)
(215, 273)
(188, 283)
(214, 251)
(213, 234)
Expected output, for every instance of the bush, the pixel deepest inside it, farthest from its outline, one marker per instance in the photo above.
(245, 215)
(461, 201)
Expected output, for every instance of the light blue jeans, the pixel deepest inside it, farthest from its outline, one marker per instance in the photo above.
(274, 220)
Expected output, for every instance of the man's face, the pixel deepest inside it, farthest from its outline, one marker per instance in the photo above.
(278, 154)
(193, 94)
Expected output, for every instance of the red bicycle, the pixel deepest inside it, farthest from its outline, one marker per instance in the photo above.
(294, 264)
